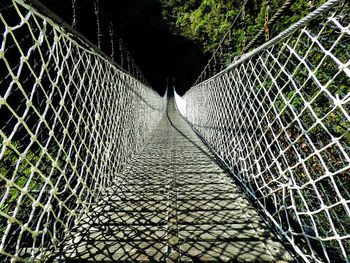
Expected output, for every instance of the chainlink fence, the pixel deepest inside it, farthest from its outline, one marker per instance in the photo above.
(69, 119)
(280, 120)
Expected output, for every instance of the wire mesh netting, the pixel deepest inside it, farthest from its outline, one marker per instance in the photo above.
(280, 119)
(70, 121)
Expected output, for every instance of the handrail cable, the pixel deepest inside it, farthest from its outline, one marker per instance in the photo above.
(245, 46)
(278, 118)
(213, 57)
(75, 34)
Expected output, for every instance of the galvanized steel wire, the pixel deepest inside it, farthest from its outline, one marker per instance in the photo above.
(279, 118)
(70, 121)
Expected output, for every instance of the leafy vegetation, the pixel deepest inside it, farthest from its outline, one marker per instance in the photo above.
(20, 183)
(17, 175)
(310, 131)
(207, 21)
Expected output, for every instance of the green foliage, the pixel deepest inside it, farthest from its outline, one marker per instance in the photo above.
(17, 175)
(202, 21)
(207, 21)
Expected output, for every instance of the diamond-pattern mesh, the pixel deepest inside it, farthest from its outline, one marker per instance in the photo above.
(280, 119)
(69, 119)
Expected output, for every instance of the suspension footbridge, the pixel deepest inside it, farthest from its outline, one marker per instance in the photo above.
(250, 165)
(173, 203)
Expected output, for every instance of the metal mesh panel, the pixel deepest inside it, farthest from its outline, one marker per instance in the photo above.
(280, 119)
(70, 120)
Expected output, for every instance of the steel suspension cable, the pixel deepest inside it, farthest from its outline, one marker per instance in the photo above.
(213, 57)
(270, 23)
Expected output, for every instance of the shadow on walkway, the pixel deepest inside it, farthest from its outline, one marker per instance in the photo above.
(173, 203)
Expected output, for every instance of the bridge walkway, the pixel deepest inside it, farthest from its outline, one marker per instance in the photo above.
(173, 203)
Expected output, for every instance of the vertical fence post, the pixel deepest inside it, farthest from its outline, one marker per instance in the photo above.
(111, 35)
(128, 61)
(230, 46)
(266, 25)
(121, 52)
(75, 21)
(97, 13)
(214, 65)
(244, 30)
(221, 58)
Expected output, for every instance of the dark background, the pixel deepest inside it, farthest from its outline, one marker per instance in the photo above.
(159, 51)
